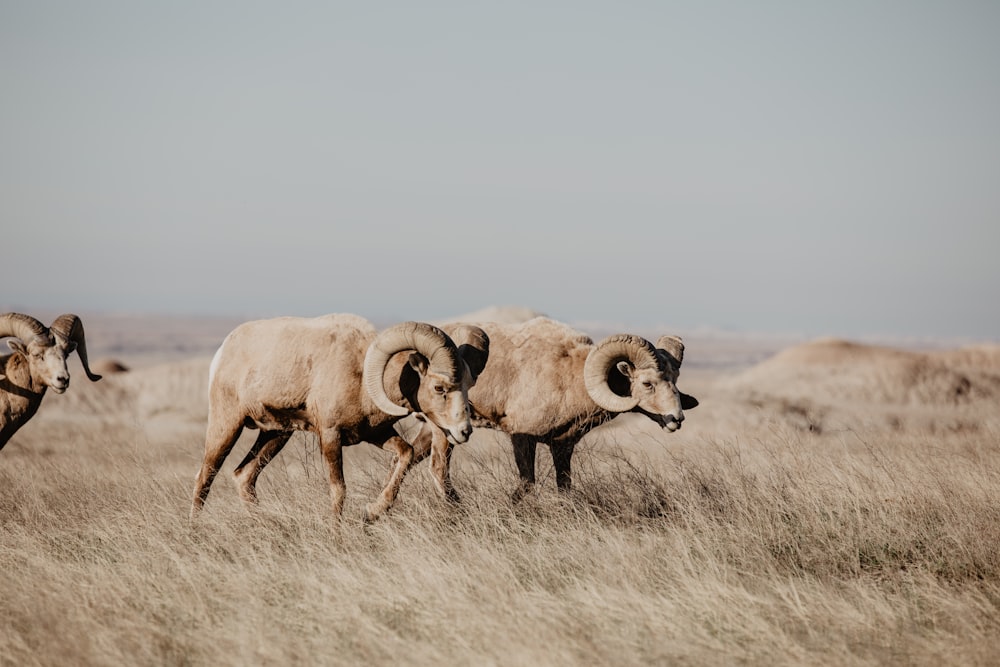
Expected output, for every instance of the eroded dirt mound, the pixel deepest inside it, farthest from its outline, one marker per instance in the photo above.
(176, 389)
(833, 380)
(108, 366)
(831, 369)
(974, 358)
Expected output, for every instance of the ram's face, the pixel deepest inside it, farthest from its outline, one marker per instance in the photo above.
(446, 403)
(658, 396)
(47, 362)
(655, 390)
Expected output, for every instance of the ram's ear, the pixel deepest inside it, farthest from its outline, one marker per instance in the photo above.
(625, 368)
(418, 362)
(17, 346)
(688, 401)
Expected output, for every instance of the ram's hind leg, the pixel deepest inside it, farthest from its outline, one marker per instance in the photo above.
(266, 447)
(330, 444)
(220, 437)
(524, 457)
(401, 461)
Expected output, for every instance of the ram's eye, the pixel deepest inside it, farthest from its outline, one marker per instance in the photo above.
(648, 385)
(439, 389)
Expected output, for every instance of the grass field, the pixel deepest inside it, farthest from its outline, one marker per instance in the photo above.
(759, 541)
(794, 549)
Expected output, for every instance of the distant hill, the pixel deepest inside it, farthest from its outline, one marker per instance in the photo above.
(834, 384)
(501, 314)
(831, 370)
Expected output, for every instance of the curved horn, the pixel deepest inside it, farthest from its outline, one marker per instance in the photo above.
(672, 345)
(473, 346)
(424, 338)
(21, 326)
(603, 358)
(70, 328)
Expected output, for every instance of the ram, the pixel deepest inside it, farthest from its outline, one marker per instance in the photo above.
(36, 363)
(328, 375)
(548, 383)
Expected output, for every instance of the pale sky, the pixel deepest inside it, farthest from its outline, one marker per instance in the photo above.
(824, 168)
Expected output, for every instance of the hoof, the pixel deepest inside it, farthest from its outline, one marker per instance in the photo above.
(371, 514)
(520, 492)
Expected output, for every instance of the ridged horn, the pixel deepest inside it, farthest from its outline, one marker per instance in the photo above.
(672, 345)
(473, 346)
(600, 361)
(70, 328)
(426, 339)
(24, 327)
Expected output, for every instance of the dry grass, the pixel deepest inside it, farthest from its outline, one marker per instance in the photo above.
(779, 547)
(780, 526)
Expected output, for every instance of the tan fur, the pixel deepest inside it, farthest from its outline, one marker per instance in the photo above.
(294, 374)
(533, 389)
(20, 395)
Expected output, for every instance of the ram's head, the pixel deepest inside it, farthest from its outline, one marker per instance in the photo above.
(626, 372)
(45, 349)
(437, 378)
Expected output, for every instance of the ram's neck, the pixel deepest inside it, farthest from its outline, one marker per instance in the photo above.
(17, 378)
(596, 418)
(571, 431)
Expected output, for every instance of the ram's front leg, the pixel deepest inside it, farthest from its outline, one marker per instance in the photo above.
(441, 463)
(401, 462)
(266, 447)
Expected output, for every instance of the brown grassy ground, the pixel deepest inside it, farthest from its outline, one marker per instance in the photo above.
(755, 535)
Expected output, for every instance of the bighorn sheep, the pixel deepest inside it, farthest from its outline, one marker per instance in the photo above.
(328, 375)
(549, 383)
(38, 361)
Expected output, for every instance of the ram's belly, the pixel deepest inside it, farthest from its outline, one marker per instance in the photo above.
(275, 418)
(536, 413)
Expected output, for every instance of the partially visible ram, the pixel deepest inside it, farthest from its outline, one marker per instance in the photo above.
(549, 383)
(333, 376)
(37, 362)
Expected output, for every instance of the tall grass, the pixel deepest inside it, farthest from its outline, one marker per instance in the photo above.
(773, 548)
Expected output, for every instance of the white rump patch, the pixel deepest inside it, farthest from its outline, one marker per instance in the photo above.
(215, 363)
